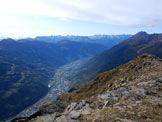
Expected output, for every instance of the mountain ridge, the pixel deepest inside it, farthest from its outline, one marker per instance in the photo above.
(128, 93)
(106, 40)
(119, 54)
(134, 66)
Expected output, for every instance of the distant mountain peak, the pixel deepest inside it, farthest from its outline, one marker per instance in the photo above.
(140, 34)
(8, 40)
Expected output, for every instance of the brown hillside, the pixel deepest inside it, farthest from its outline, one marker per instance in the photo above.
(129, 93)
(142, 68)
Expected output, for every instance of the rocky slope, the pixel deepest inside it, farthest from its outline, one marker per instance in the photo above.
(129, 93)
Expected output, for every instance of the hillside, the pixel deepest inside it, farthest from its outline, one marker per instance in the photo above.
(119, 54)
(129, 93)
(27, 67)
(141, 69)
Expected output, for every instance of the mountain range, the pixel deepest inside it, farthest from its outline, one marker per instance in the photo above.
(106, 40)
(87, 87)
(123, 52)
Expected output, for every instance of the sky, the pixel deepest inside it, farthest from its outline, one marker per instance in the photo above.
(29, 18)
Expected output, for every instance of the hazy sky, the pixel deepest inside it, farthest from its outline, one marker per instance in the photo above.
(79, 17)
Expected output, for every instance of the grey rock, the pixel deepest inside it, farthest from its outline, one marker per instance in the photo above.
(70, 107)
(159, 80)
(75, 114)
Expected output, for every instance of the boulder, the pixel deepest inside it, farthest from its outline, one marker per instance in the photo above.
(74, 114)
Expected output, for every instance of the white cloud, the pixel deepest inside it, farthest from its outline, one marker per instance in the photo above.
(119, 12)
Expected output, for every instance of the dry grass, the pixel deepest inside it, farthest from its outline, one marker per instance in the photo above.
(140, 69)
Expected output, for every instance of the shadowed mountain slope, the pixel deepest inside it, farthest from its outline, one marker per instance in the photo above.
(120, 54)
(27, 66)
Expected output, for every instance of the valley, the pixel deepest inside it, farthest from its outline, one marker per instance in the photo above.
(121, 53)
(80, 61)
(128, 93)
(82, 80)
(28, 66)
(59, 84)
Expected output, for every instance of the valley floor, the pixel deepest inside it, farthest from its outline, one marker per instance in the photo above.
(59, 84)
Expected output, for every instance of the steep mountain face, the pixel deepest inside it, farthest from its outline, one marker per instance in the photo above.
(120, 54)
(27, 66)
(108, 40)
(129, 93)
